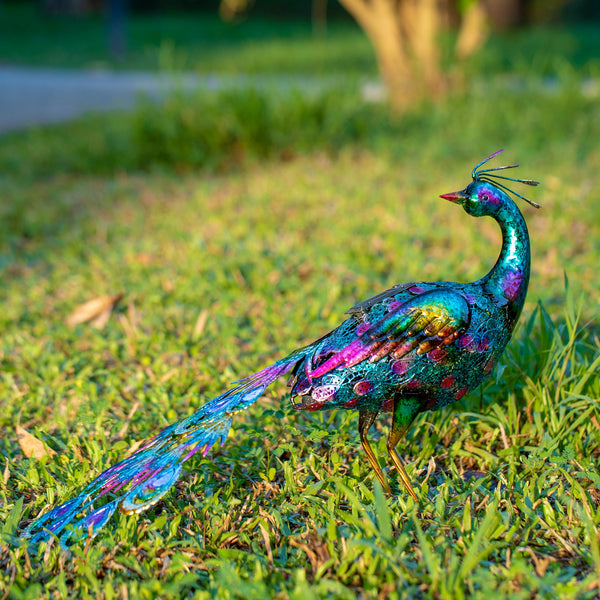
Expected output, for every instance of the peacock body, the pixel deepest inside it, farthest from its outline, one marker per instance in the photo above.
(415, 347)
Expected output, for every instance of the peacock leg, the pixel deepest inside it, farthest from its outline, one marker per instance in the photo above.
(405, 410)
(365, 420)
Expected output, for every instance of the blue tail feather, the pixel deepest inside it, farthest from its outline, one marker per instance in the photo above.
(142, 479)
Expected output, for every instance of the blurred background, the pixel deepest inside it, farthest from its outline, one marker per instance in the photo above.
(92, 88)
(397, 51)
(185, 91)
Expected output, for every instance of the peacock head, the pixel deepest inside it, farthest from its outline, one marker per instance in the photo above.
(485, 195)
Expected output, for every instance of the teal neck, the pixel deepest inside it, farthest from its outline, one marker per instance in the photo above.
(509, 278)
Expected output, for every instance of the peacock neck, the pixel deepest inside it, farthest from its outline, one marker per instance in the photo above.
(509, 278)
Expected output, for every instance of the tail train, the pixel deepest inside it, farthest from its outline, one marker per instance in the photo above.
(142, 479)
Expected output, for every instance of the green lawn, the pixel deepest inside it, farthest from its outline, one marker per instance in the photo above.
(271, 240)
(204, 43)
(196, 41)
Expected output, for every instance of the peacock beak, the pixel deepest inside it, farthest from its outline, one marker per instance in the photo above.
(456, 197)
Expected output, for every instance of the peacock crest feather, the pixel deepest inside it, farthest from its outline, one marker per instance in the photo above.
(492, 177)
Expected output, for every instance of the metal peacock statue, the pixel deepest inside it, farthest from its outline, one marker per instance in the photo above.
(415, 347)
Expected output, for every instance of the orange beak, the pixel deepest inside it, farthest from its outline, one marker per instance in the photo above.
(456, 197)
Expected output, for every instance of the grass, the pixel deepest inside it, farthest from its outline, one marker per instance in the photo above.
(287, 507)
(195, 42)
(272, 238)
(204, 43)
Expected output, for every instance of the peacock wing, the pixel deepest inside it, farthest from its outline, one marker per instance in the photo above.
(429, 320)
(362, 309)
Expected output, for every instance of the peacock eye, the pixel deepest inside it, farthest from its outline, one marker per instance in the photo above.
(484, 197)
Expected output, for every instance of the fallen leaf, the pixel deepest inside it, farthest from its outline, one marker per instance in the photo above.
(6, 473)
(144, 258)
(96, 311)
(135, 446)
(31, 446)
(200, 324)
(125, 427)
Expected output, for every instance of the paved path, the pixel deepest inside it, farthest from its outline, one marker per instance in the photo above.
(32, 96)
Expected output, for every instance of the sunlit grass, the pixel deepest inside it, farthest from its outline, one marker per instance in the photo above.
(231, 257)
(275, 255)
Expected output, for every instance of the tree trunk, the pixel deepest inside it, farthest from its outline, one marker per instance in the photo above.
(404, 35)
(379, 20)
(420, 22)
(473, 31)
